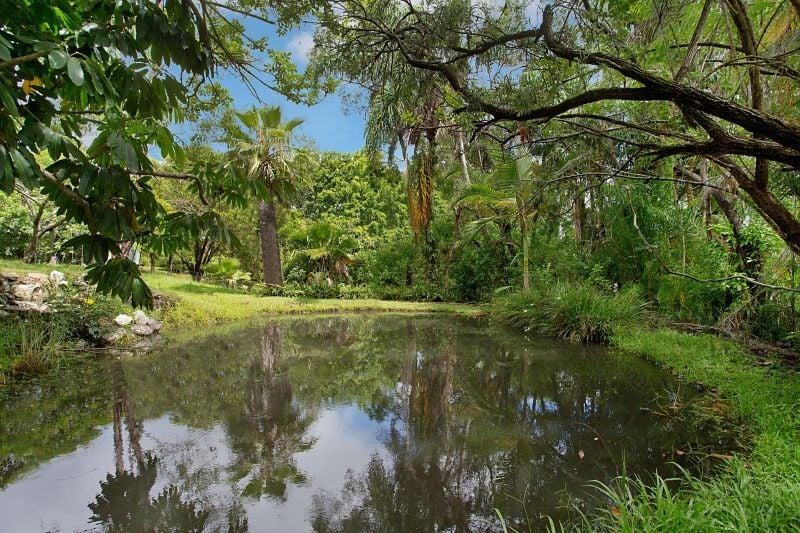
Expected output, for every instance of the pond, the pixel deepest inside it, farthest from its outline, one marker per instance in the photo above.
(336, 423)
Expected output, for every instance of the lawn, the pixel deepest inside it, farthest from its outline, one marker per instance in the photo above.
(197, 303)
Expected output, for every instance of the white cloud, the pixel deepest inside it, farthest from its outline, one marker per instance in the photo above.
(300, 46)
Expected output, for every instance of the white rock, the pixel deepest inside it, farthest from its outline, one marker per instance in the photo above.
(154, 324)
(140, 318)
(58, 278)
(13, 276)
(28, 292)
(141, 329)
(32, 306)
(35, 278)
(114, 336)
(123, 320)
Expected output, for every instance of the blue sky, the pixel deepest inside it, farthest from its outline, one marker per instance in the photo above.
(326, 124)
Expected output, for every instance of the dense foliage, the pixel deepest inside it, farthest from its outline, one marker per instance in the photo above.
(580, 166)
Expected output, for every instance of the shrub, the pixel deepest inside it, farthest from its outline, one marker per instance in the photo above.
(85, 316)
(354, 292)
(578, 312)
(291, 289)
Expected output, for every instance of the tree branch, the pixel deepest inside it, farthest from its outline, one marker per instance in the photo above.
(23, 59)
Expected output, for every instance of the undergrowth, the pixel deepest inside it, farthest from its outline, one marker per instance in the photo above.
(29, 346)
(577, 312)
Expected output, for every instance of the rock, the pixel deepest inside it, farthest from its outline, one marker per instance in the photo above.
(11, 276)
(36, 307)
(114, 336)
(123, 320)
(35, 278)
(141, 329)
(58, 278)
(4, 314)
(154, 324)
(28, 293)
(146, 344)
(140, 317)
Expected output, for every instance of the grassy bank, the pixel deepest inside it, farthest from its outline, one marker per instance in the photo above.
(39, 343)
(755, 491)
(204, 303)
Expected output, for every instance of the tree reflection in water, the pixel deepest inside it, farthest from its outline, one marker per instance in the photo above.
(473, 426)
(461, 417)
(273, 427)
(124, 502)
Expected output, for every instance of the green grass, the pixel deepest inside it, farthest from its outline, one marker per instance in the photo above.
(203, 304)
(756, 491)
(198, 304)
(574, 311)
(8, 265)
(29, 346)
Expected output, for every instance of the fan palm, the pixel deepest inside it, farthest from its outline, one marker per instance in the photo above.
(261, 145)
(325, 245)
(509, 194)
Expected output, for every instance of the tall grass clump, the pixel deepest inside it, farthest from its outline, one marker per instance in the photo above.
(575, 311)
(29, 346)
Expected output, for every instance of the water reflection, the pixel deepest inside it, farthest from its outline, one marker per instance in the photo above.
(384, 423)
(273, 428)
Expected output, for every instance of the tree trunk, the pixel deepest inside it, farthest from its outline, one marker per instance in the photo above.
(270, 248)
(31, 251)
(580, 215)
(526, 277)
(33, 247)
(462, 156)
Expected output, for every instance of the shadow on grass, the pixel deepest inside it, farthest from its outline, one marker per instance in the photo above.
(197, 288)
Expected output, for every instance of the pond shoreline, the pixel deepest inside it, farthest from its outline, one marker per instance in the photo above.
(754, 490)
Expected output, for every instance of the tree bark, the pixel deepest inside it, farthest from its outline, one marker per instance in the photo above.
(526, 277)
(270, 248)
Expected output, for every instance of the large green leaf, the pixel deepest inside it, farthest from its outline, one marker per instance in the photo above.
(58, 58)
(75, 71)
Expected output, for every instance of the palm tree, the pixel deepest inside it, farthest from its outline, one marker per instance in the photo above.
(509, 194)
(325, 245)
(262, 145)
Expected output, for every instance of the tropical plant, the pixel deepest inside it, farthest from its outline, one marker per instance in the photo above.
(227, 270)
(327, 247)
(261, 145)
(508, 195)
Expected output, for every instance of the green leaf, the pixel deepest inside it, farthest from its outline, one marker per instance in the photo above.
(75, 71)
(123, 150)
(42, 45)
(8, 101)
(58, 58)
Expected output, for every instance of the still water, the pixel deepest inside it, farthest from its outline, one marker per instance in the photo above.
(335, 423)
